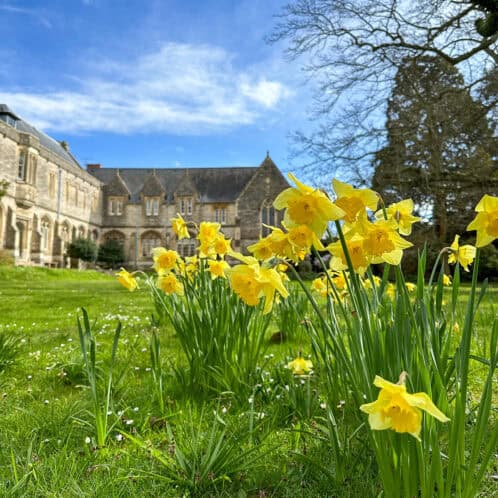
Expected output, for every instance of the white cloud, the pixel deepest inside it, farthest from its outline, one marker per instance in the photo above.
(181, 88)
(34, 13)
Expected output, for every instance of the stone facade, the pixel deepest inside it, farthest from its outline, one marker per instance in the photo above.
(51, 200)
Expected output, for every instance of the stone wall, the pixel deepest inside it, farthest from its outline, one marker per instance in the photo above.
(54, 203)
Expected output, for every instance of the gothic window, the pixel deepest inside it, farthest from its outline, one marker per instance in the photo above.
(220, 215)
(45, 236)
(33, 163)
(51, 185)
(152, 206)
(115, 235)
(19, 239)
(115, 206)
(186, 247)
(64, 236)
(186, 205)
(21, 170)
(149, 241)
(268, 217)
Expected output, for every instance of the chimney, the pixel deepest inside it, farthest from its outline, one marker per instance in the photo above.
(64, 145)
(93, 167)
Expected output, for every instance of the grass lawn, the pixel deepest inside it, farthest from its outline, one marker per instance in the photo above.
(46, 442)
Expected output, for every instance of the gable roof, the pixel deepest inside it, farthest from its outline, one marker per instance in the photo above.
(152, 185)
(45, 141)
(116, 185)
(211, 184)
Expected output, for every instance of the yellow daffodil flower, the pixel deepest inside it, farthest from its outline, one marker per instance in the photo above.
(320, 286)
(245, 285)
(354, 201)
(402, 213)
(217, 268)
(251, 282)
(446, 279)
(221, 246)
(164, 259)
(382, 243)
(179, 226)
(262, 249)
(391, 291)
(127, 280)
(486, 221)
(307, 206)
(398, 410)
(303, 238)
(168, 283)
(300, 366)
(357, 254)
(208, 231)
(410, 287)
(461, 254)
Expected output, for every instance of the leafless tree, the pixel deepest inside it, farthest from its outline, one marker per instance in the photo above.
(353, 48)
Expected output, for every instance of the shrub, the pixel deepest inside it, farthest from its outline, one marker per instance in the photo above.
(84, 249)
(6, 258)
(111, 253)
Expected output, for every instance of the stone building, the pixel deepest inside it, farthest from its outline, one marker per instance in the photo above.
(51, 200)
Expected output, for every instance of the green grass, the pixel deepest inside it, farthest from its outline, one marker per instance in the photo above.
(44, 403)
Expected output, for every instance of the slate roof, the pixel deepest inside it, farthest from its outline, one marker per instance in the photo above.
(211, 184)
(47, 142)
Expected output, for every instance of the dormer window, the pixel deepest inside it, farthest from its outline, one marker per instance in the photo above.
(151, 206)
(220, 215)
(115, 206)
(186, 205)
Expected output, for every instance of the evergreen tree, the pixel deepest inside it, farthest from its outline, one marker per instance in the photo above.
(440, 148)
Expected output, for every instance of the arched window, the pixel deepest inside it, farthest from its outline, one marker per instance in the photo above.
(115, 235)
(65, 234)
(269, 216)
(45, 235)
(149, 241)
(19, 239)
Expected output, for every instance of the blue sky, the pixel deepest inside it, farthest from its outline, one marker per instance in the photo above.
(153, 83)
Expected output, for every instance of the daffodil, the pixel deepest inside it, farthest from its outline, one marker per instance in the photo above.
(357, 254)
(354, 201)
(208, 231)
(251, 282)
(262, 249)
(461, 254)
(164, 259)
(300, 366)
(446, 279)
(320, 286)
(382, 243)
(410, 287)
(168, 283)
(221, 246)
(244, 283)
(217, 268)
(402, 213)
(127, 280)
(486, 221)
(179, 226)
(307, 206)
(398, 410)
(302, 237)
